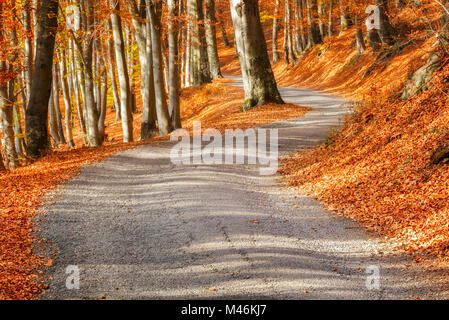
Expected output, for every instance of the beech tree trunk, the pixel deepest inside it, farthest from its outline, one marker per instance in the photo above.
(345, 21)
(90, 109)
(387, 32)
(149, 116)
(173, 77)
(301, 42)
(7, 125)
(275, 32)
(123, 76)
(313, 31)
(163, 118)
(223, 32)
(143, 38)
(288, 44)
(199, 67)
(57, 105)
(28, 48)
(37, 110)
(258, 78)
(67, 101)
(211, 40)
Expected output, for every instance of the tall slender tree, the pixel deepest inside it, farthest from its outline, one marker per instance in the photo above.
(258, 78)
(199, 65)
(211, 39)
(173, 63)
(37, 110)
(125, 91)
(163, 118)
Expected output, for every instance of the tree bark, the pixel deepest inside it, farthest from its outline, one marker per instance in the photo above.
(387, 32)
(91, 110)
(149, 116)
(57, 106)
(258, 78)
(67, 101)
(199, 68)
(211, 40)
(122, 68)
(275, 32)
(37, 110)
(173, 82)
(7, 125)
(301, 42)
(164, 122)
(313, 32)
(345, 21)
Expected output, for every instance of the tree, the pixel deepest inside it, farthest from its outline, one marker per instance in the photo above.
(199, 65)
(143, 37)
(387, 32)
(91, 111)
(37, 110)
(275, 32)
(154, 13)
(173, 64)
(345, 21)
(258, 78)
(123, 76)
(314, 36)
(211, 39)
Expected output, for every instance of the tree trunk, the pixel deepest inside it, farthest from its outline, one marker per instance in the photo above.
(149, 117)
(258, 78)
(211, 40)
(387, 32)
(57, 105)
(313, 32)
(301, 43)
(28, 48)
(143, 40)
(321, 25)
(164, 122)
(54, 134)
(37, 110)
(345, 21)
(173, 82)
(200, 69)
(360, 41)
(103, 105)
(112, 64)
(122, 68)
(2, 165)
(7, 125)
(67, 101)
(224, 35)
(330, 24)
(91, 111)
(288, 45)
(76, 90)
(275, 32)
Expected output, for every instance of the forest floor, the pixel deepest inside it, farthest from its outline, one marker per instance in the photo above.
(139, 227)
(22, 191)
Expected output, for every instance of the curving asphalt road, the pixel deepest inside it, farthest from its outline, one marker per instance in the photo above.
(139, 227)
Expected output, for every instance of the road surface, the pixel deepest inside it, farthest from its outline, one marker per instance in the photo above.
(139, 227)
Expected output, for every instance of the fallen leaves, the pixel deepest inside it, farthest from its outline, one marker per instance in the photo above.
(378, 173)
(21, 192)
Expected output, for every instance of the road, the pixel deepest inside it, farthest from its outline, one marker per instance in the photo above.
(139, 227)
